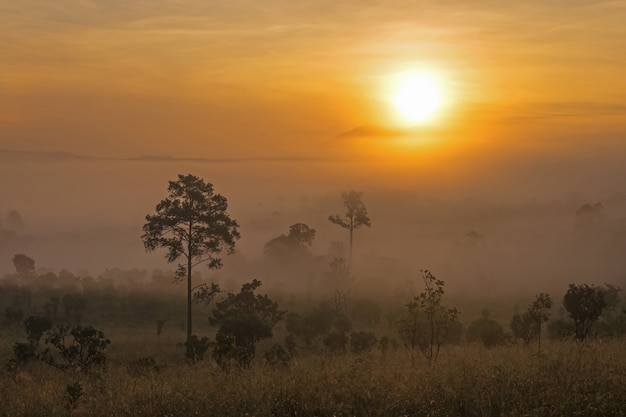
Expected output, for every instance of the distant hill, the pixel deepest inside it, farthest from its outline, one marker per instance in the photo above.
(7, 155)
(371, 131)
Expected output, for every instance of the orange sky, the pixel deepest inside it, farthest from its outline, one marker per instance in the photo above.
(281, 77)
(292, 93)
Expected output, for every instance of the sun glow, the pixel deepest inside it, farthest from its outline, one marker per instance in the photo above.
(416, 96)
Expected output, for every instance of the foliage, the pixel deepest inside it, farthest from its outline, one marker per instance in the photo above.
(384, 344)
(428, 322)
(355, 215)
(144, 367)
(309, 326)
(487, 331)
(560, 329)
(36, 326)
(24, 265)
(613, 319)
(191, 222)
(524, 327)
(337, 338)
(362, 341)
(13, 314)
(336, 342)
(247, 318)
(73, 392)
(292, 246)
(584, 303)
(339, 271)
(196, 348)
(538, 312)
(277, 355)
(24, 353)
(227, 353)
(74, 305)
(527, 326)
(78, 349)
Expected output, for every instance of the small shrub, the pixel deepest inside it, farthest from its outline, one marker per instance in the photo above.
(361, 342)
(143, 367)
(226, 352)
(336, 342)
(73, 392)
(485, 330)
(196, 348)
(560, 329)
(24, 353)
(277, 355)
(79, 349)
(291, 345)
(524, 327)
(36, 326)
(13, 315)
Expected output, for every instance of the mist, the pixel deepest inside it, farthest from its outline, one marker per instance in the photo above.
(503, 221)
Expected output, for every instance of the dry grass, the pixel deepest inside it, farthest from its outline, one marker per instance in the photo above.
(566, 380)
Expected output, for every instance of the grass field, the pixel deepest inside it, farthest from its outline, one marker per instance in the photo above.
(566, 379)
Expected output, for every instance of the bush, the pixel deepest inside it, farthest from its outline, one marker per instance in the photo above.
(560, 329)
(226, 352)
(336, 342)
(244, 319)
(362, 341)
(36, 326)
(196, 348)
(143, 367)
(277, 355)
(79, 349)
(485, 330)
(524, 327)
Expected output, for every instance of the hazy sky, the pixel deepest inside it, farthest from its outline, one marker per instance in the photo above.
(294, 96)
(281, 77)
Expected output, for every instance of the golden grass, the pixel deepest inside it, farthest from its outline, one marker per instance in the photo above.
(565, 380)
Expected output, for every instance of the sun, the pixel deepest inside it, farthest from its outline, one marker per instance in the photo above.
(416, 96)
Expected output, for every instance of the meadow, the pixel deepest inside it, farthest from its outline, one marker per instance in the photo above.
(566, 379)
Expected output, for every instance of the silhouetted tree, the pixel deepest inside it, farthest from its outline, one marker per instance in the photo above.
(485, 330)
(244, 319)
(74, 305)
(15, 221)
(24, 265)
(339, 273)
(613, 320)
(584, 303)
(13, 315)
(36, 326)
(309, 326)
(337, 340)
(355, 215)
(78, 349)
(538, 312)
(589, 221)
(291, 246)
(524, 327)
(428, 322)
(192, 223)
(362, 341)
